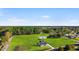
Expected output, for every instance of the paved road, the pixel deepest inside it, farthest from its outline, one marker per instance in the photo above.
(50, 46)
(7, 44)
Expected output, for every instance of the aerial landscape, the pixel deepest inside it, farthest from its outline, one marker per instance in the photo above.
(39, 38)
(39, 29)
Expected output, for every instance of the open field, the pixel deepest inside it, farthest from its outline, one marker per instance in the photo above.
(58, 42)
(28, 42)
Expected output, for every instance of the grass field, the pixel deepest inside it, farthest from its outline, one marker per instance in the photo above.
(29, 41)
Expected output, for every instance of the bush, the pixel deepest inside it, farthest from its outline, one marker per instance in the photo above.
(77, 38)
(0, 42)
(60, 49)
(50, 36)
(73, 46)
(77, 48)
(68, 47)
(45, 31)
(19, 48)
(57, 35)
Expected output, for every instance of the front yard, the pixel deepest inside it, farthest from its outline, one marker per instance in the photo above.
(28, 42)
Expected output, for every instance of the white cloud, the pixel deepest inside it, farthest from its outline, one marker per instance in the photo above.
(69, 22)
(13, 21)
(16, 20)
(45, 16)
(74, 21)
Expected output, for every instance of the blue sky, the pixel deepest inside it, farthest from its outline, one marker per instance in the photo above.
(39, 16)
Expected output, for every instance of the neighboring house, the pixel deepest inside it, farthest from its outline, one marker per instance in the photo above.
(71, 35)
(41, 41)
(3, 33)
(77, 37)
(66, 34)
(42, 37)
(77, 33)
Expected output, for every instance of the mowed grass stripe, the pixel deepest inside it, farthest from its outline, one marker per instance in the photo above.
(28, 42)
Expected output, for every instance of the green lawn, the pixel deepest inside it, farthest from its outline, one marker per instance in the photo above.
(29, 41)
(58, 42)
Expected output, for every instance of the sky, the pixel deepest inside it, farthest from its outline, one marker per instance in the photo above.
(39, 16)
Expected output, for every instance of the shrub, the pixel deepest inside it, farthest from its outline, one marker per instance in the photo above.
(57, 35)
(19, 48)
(60, 49)
(68, 47)
(73, 46)
(45, 31)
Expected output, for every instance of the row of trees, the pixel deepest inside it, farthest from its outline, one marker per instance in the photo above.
(17, 30)
(38, 29)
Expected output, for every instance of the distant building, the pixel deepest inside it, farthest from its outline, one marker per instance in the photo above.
(77, 33)
(71, 35)
(42, 37)
(41, 41)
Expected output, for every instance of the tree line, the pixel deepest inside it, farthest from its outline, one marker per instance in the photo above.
(18, 30)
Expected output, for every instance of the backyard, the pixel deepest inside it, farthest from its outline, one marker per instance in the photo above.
(28, 42)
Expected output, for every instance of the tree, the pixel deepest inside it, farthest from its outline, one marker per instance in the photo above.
(45, 30)
(7, 36)
(19, 48)
(68, 47)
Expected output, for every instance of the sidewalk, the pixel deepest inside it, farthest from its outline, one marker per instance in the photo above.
(50, 46)
(7, 44)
